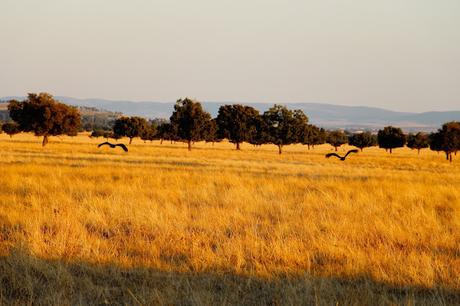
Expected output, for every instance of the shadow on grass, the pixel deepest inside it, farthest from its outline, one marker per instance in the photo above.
(26, 279)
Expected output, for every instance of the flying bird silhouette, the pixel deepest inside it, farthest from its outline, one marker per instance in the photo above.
(114, 145)
(342, 158)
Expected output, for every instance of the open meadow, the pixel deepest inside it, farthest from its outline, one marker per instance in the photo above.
(161, 225)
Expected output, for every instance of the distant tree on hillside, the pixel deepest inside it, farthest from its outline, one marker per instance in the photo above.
(390, 138)
(336, 139)
(236, 123)
(43, 115)
(11, 128)
(446, 139)
(418, 141)
(284, 126)
(189, 121)
(130, 127)
(363, 140)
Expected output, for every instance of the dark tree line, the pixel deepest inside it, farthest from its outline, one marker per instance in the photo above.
(190, 123)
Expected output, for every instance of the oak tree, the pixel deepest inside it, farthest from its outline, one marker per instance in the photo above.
(418, 141)
(390, 138)
(130, 127)
(236, 123)
(336, 139)
(44, 116)
(189, 121)
(284, 126)
(363, 140)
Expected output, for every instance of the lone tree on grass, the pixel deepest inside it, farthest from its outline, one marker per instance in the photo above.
(236, 123)
(189, 121)
(150, 132)
(336, 139)
(312, 136)
(418, 141)
(446, 139)
(363, 140)
(44, 116)
(390, 138)
(130, 127)
(11, 128)
(284, 126)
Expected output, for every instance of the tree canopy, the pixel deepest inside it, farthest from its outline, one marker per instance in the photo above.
(336, 139)
(446, 139)
(189, 121)
(11, 128)
(418, 141)
(390, 138)
(130, 127)
(236, 123)
(312, 135)
(150, 133)
(363, 140)
(44, 116)
(284, 126)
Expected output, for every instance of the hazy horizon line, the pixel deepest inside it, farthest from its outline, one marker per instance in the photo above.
(240, 102)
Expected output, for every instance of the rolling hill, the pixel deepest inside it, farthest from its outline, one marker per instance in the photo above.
(325, 115)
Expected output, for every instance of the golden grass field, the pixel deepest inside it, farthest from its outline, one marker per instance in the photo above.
(161, 225)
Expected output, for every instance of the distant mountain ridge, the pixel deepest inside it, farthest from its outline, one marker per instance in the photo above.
(324, 115)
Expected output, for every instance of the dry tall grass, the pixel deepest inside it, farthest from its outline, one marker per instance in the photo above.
(161, 225)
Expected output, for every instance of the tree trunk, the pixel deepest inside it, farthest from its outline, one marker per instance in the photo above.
(361, 149)
(189, 143)
(335, 149)
(45, 140)
(391, 150)
(418, 151)
(238, 146)
(130, 140)
(280, 147)
(308, 146)
(450, 157)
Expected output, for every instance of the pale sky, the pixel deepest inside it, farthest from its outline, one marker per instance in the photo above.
(395, 54)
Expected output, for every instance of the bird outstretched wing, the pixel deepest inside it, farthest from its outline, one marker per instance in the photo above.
(351, 151)
(113, 145)
(122, 146)
(333, 154)
(104, 143)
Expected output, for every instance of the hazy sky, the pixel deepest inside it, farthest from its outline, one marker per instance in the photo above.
(396, 54)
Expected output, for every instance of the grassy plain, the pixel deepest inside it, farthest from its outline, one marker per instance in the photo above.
(161, 225)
